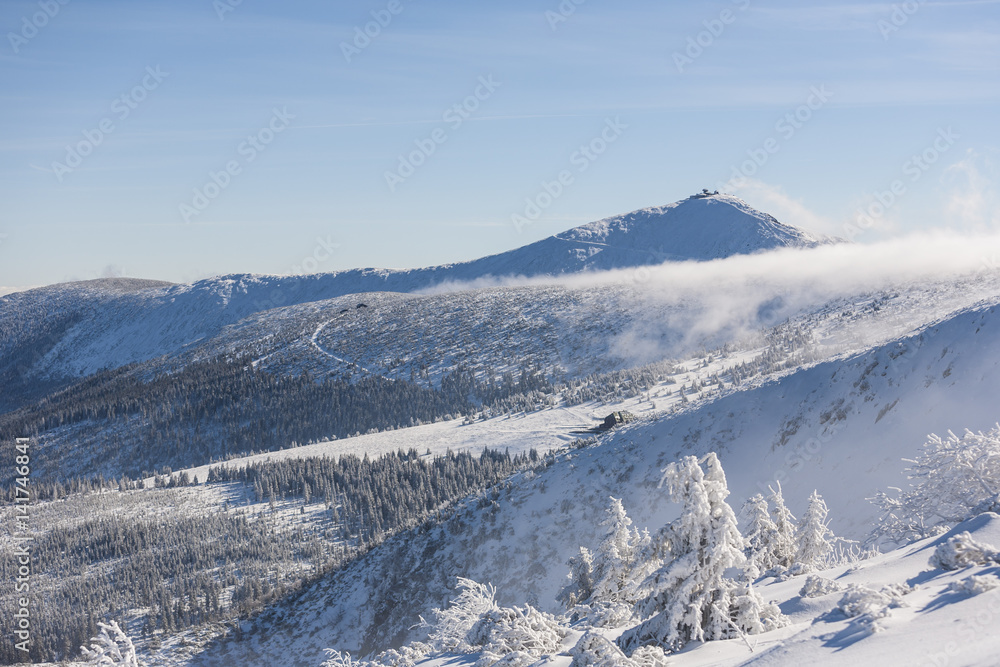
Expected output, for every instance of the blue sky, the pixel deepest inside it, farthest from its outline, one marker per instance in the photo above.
(161, 96)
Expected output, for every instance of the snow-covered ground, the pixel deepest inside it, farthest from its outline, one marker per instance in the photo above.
(841, 427)
(863, 362)
(543, 430)
(936, 622)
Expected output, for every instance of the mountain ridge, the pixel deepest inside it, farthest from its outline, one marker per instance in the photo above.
(711, 215)
(107, 323)
(699, 228)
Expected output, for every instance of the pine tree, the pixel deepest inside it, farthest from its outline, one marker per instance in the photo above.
(602, 581)
(784, 521)
(762, 540)
(581, 580)
(813, 536)
(111, 647)
(689, 597)
(616, 554)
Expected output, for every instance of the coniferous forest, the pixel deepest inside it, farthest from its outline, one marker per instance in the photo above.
(277, 526)
(217, 409)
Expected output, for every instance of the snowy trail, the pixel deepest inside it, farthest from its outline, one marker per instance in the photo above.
(331, 355)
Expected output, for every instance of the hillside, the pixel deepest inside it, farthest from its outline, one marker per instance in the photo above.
(80, 328)
(841, 427)
(701, 227)
(341, 435)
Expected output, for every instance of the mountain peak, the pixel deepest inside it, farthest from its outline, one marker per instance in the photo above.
(705, 226)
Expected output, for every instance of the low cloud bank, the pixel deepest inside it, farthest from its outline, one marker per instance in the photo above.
(686, 304)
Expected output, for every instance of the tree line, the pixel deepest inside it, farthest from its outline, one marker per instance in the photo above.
(178, 572)
(131, 422)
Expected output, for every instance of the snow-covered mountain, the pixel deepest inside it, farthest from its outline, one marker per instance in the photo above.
(65, 331)
(814, 378)
(701, 227)
(841, 427)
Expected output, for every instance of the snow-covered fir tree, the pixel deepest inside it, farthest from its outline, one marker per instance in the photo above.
(601, 581)
(814, 535)
(690, 597)
(616, 555)
(581, 580)
(111, 647)
(785, 544)
(762, 539)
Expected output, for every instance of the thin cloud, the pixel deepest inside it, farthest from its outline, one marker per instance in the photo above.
(773, 198)
(680, 306)
(972, 203)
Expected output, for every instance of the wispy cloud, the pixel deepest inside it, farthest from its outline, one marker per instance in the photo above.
(683, 305)
(780, 204)
(972, 203)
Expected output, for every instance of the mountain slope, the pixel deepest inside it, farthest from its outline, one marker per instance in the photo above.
(467, 353)
(113, 326)
(841, 427)
(698, 228)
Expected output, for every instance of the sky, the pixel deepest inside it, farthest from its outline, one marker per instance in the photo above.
(185, 139)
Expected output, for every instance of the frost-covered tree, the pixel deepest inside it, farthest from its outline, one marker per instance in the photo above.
(111, 647)
(449, 627)
(761, 538)
(515, 636)
(405, 656)
(595, 650)
(690, 597)
(616, 554)
(785, 525)
(600, 583)
(604, 575)
(814, 536)
(475, 622)
(581, 580)
(951, 479)
(335, 658)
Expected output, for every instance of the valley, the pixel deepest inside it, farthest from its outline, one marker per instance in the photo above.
(358, 452)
